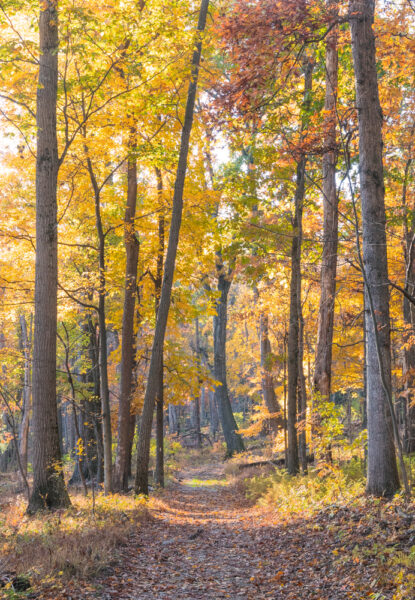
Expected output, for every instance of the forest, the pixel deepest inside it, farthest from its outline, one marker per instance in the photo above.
(207, 299)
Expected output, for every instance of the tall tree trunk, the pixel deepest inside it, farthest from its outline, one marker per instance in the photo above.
(323, 363)
(90, 411)
(159, 474)
(295, 294)
(94, 404)
(213, 415)
(293, 329)
(382, 476)
(408, 366)
(49, 490)
(233, 439)
(196, 404)
(26, 333)
(143, 450)
(267, 380)
(409, 352)
(132, 248)
(103, 347)
(173, 428)
(302, 394)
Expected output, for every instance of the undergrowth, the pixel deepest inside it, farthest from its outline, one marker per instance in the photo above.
(308, 493)
(332, 488)
(76, 543)
(179, 457)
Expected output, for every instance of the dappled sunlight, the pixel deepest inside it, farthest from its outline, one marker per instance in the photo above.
(209, 483)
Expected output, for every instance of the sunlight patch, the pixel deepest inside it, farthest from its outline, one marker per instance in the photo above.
(204, 482)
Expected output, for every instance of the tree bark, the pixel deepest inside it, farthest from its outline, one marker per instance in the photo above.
(26, 333)
(382, 476)
(293, 329)
(408, 366)
(302, 394)
(49, 490)
(196, 404)
(233, 439)
(90, 412)
(103, 349)
(409, 351)
(159, 474)
(267, 380)
(143, 451)
(93, 406)
(173, 425)
(213, 415)
(323, 363)
(295, 295)
(132, 249)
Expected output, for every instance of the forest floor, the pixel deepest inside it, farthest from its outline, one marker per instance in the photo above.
(202, 539)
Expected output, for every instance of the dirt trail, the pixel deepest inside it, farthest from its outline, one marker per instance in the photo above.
(203, 542)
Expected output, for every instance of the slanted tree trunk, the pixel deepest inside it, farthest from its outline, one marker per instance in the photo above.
(158, 281)
(233, 439)
(382, 476)
(132, 248)
(103, 348)
(49, 490)
(295, 294)
(143, 450)
(26, 334)
(323, 363)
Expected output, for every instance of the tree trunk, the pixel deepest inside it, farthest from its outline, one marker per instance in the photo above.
(302, 393)
(173, 428)
(94, 404)
(409, 351)
(295, 293)
(267, 380)
(49, 490)
(196, 404)
(408, 366)
(143, 451)
(382, 477)
(293, 329)
(213, 415)
(132, 248)
(24, 426)
(233, 439)
(103, 348)
(159, 474)
(323, 363)
(90, 413)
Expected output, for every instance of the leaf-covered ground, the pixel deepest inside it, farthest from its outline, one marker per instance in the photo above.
(204, 542)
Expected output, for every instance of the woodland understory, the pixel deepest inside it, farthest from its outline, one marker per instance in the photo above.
(207, 292)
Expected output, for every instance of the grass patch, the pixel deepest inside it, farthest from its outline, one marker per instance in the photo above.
(178, 457)
(309, 493)
(76, 543)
